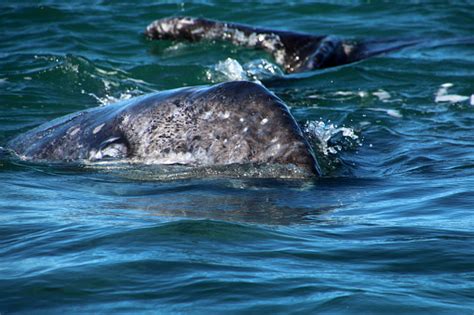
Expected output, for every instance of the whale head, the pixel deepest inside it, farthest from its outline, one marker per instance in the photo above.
(230, 123)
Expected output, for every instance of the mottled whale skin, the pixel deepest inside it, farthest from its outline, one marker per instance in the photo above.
(294, 51)
(229, 123)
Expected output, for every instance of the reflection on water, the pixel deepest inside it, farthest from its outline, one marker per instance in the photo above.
(258, 206)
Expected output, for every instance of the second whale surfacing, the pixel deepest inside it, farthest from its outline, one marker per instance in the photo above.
(232, 123)
(294, 51)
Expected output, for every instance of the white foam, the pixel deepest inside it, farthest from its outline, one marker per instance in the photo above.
(323, 132)
(101, 71)
(390, 112)
(110, 99)
(450, 98)
(175, 47)
(442, 95)
(260, 69)
(394, 113)
(447, 85)
(362, 94)
(343, 93)
(382, 95)
(231, 70)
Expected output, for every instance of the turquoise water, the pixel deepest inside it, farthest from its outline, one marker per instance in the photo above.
(388, 229)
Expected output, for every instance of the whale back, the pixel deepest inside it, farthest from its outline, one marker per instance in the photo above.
(229, 123)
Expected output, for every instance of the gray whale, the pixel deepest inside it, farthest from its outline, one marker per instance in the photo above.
(294, 51)
(229, 123)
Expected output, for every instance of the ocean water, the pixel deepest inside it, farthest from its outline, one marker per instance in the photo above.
(388, 229)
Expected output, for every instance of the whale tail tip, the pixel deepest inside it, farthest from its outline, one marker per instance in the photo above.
(369, 48)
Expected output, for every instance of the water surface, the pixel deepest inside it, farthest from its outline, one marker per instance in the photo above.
(390, 227)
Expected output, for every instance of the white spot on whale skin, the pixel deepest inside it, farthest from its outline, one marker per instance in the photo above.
(94, 155)
(224, 115)
(98, 128)
(74, 131)
(197, 30)
(186, 21)
(126, 119)
(115, 150)
(207, 115)
(164, 27)
(264, 121)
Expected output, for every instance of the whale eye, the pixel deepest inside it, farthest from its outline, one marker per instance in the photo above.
(113, 148)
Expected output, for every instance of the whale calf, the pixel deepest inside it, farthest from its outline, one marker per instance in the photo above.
(235, 122)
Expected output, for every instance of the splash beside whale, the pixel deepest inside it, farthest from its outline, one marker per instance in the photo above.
(229, 123)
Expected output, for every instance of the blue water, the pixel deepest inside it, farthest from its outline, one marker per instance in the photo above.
(388, 229)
